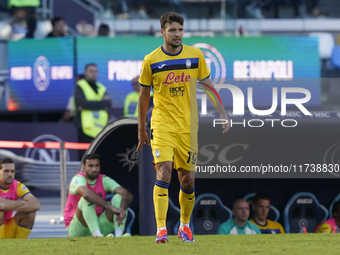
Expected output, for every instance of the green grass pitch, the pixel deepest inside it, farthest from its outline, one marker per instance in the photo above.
(251, 244)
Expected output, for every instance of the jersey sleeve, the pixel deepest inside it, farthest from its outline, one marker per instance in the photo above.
(324, 228)
(76, 182)
(256, 229)
(281, 229)
(203, 70)
(223, 229)
(22, 190)
(109, 184)
(145, 78)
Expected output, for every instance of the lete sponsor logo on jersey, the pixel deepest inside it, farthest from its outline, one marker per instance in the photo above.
(171, 78)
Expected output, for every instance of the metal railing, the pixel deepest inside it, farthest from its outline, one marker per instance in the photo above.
(46, 9)
(92, 6)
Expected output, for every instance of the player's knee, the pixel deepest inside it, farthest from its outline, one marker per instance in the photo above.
(116, 200)
(83, 203)
(164, 174)
(188, 183)
(31, 216)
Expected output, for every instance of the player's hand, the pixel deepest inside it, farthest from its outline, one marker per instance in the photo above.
(142, 139)
(120, 216)
(225, 127)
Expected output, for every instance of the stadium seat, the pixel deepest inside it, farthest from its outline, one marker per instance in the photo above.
(129, 221)
(336, 57)
(326, 44)
(130, 216)
(303, 210)
(208, 214)
(273, 214)
(330, 207)
(172, 218)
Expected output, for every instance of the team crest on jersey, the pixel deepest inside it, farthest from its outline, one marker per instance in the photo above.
(157, 153)
(188, 63)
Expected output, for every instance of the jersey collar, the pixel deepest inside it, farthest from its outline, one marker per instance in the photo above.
(261, 224)
(167, 53)
(4, 188)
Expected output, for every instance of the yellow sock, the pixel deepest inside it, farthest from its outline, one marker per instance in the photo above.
(186, 202)
(11, 229)
(161, 202)
(23, 232)
(2, 231)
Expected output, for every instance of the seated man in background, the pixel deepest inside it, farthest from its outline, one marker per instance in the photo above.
(86, 212)
(331, 225)
(261, 205)
(239, 225)
(19, 226)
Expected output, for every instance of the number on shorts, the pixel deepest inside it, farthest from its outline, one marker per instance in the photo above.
(193, 158)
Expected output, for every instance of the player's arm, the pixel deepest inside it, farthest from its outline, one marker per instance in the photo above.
(222, 230)
(127, 197)
(215, 100)
(9, 205)
(31, 204)
(145, 81)
(143, 105)
(212, 94)
(93, 198)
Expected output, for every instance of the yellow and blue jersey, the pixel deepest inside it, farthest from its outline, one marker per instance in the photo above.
(15, 191)
(271, 227)
(174, 79)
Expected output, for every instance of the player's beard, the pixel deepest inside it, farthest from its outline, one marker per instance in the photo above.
(174, 45)
(92, 176)
(9, 181)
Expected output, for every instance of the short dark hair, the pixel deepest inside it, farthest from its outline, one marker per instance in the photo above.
(90, 156)
(259, 196)
(5, 161)
(335, 207)
(170, 17)
(56, 19)
(90, 64)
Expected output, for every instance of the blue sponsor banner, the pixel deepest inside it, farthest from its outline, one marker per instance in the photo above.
(41, 73)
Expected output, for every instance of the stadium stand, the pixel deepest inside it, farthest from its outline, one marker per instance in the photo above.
(326, 44)
(32, 172)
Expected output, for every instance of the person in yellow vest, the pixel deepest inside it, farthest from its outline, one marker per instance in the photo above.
(92, 104)
(131, 100)
(25, 9)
